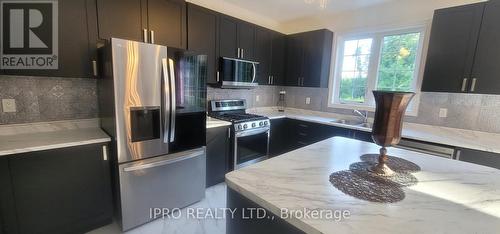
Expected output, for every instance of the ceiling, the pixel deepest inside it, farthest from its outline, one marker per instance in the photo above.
(286, 10)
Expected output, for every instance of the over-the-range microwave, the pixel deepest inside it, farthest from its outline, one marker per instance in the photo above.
(237, 73)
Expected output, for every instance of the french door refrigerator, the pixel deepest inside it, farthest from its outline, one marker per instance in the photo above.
(152, 102)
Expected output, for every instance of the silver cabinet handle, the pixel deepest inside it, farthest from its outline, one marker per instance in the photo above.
(464, 84)
(272, 79)
(229, 132)
(457, 154)
(239, 52)
(166, 99)
(242, 53)
(173, 95)
(217, 76)
(269, 80)
(152, 37)
(94, 67)
(473, 85)
(163, 163)
(105, 153)
(145, 35)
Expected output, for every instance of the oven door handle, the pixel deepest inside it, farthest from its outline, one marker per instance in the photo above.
(251, 132)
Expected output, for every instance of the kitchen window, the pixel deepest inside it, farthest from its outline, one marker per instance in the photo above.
(387, 60)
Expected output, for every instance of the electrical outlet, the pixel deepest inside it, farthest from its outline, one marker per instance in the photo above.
(9, 105)
(308, 100)
(443, 113)
(257, 98)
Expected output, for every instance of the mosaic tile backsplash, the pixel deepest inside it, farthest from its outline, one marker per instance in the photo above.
(40, 99)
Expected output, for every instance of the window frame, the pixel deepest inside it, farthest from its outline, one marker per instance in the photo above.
(373, 68)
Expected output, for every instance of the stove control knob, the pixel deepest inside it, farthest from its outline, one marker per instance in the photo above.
(254, 125)
(265, 123)
(238, 127)
(261, 124)
(245, 126)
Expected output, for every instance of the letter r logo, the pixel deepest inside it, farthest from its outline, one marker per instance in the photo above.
(27, 28)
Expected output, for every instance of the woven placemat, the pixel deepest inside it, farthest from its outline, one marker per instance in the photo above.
(358, 182)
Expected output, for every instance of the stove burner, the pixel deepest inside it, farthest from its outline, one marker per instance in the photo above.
(239, 117)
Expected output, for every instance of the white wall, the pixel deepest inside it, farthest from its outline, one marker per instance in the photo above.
(238, 12)
(393, 14)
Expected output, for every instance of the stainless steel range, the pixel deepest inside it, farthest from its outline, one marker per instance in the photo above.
(250, 133)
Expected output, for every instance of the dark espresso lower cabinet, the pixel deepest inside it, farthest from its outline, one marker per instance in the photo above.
(217, 154)
(479, 157)
(64, 190)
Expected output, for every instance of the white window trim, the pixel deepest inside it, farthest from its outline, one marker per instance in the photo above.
(377, 35)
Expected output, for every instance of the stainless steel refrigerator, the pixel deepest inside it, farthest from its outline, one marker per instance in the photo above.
(152, 102)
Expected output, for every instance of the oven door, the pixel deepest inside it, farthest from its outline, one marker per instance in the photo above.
(250, 147)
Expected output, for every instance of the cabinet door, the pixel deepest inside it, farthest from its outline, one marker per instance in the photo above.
(278, 58)
(263, 49)
(61, 191)
(479, 157)
(73, 49)
(167, 22)
(451, 50)
(486, 70)
(125, 19)
(277, 138)
(217, 155)
(317, 46)
(202, 37)
(8, 221)
(294, 58)
(246, 40)
(228, 43)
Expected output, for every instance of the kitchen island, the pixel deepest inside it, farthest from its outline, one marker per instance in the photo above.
(449, 197)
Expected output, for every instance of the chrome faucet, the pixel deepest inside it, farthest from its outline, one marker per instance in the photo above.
(362, 115)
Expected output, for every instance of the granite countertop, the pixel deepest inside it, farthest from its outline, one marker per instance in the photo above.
(469, 139)
(22, 138)
(215, 123)
(450, 196)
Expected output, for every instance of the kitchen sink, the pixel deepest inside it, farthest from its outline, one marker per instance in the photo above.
(352, 122)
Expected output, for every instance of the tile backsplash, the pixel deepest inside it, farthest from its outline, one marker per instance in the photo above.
(465, 111)
(40, 99)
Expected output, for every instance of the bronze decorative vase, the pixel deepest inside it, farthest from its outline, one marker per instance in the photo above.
(387, 125)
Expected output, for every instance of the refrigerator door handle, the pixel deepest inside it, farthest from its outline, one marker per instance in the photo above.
(173, 96)
(166, 96)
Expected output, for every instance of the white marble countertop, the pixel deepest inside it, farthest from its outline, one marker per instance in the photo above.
(22, 138)
(450, 197)
(469, 139)
(215, 123)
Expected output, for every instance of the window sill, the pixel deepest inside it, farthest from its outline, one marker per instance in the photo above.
(354, 106)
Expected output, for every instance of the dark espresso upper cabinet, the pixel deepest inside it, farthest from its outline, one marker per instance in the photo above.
(263, 54)
(452, 47)
(228, 37)
(160, 22)
(278, 58)
(167, 22)
(236, 38)
(486, 71)
(126, 19)
(246, 40)
(75, 56)
(202, 36)
(308, 58)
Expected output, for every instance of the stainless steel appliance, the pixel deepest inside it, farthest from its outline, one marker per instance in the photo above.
(237, 73)
(250, 133)
(152, 102)
(427, 148)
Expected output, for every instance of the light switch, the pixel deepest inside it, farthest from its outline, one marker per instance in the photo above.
(443, 113)
(308, 100)
(257, 98)
(9, 105)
